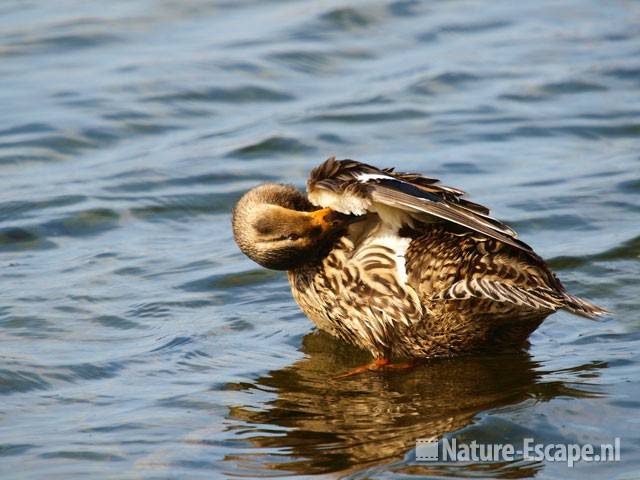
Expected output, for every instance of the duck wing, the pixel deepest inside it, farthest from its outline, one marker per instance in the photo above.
(356, 188)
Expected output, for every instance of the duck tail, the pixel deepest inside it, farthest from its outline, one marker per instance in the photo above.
(583, 308)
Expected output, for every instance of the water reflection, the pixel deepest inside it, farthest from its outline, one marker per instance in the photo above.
(322, 425)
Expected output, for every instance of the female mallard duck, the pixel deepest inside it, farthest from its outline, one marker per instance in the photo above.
(399, 265)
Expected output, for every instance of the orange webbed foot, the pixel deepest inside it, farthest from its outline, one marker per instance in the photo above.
(375, 365)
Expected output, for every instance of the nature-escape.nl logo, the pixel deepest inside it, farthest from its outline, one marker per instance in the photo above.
(450, 450)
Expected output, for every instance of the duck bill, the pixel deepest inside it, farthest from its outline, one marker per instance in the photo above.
(321, 218)
(328, 219)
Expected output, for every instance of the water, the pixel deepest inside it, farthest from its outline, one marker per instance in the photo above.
(138, 342)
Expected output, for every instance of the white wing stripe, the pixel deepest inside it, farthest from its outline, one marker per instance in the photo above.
(365, 177)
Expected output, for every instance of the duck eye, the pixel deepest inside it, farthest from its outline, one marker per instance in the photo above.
(293, 237)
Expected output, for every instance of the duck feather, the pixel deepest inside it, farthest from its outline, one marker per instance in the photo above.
(357, 188)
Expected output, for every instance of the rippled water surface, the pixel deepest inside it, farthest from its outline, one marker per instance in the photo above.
(138, 342)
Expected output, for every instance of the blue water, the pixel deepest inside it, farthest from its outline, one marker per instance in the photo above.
(136, 341)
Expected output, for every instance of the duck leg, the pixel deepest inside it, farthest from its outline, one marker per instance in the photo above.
(375, 365)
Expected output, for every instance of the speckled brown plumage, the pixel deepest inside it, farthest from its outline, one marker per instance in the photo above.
(423, 272)
(356, 295)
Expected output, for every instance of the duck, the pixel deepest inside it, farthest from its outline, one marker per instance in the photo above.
(400, 265)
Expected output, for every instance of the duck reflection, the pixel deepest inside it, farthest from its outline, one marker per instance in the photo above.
(325, 425)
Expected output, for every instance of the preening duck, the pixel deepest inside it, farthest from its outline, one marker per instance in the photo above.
(398, 264)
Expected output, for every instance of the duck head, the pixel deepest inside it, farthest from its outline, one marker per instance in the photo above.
(278, 228)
